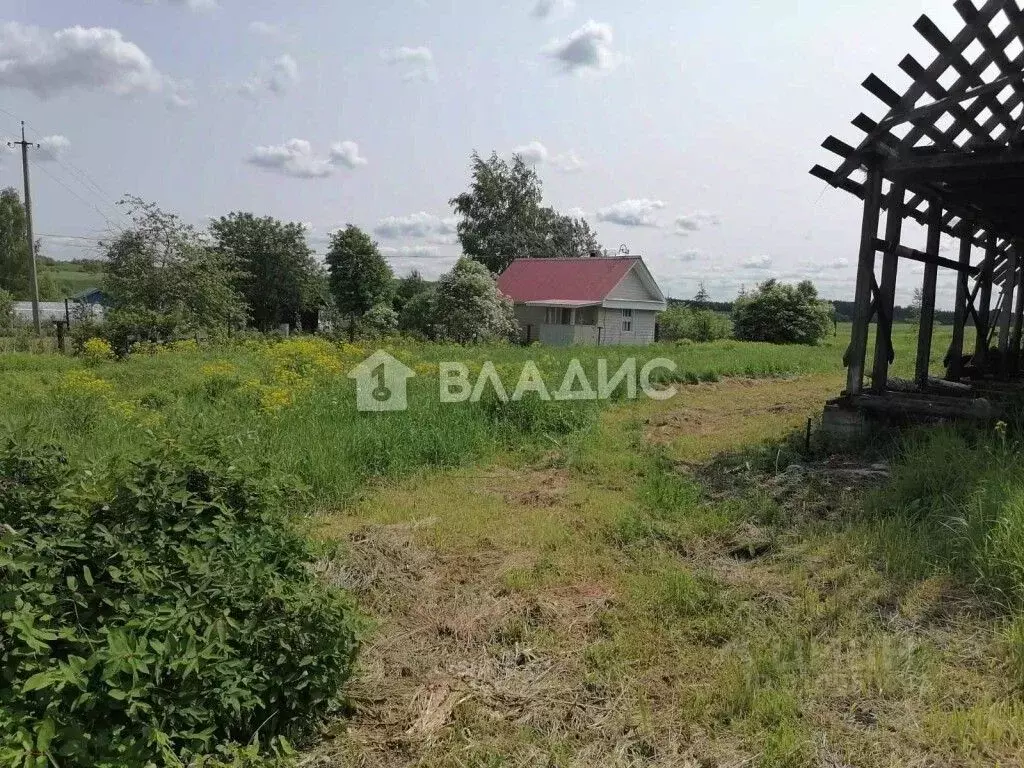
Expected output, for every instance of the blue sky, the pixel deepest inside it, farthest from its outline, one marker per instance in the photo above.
(684, 130)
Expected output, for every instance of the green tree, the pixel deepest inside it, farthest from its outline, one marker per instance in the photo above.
(502, 219)
(913, 312)
(419, 313)
(276, 271)
(782, 314)
(702, 297)
(14, 256)
(359, 276)
(164, 274)
(469, 308)
(408, 287)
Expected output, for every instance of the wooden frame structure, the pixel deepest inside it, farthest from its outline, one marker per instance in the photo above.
(949, 154)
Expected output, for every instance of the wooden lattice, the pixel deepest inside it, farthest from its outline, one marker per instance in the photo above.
(965, 106)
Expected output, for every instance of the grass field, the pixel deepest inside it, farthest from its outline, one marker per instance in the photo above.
(620, 584)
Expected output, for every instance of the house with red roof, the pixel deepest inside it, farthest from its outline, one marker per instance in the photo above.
(596, 300)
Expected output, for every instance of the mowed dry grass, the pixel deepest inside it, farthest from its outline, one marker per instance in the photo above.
(619, 600)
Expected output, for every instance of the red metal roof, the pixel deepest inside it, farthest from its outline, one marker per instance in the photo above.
(588, 279)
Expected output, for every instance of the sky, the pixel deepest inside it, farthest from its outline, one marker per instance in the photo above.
(681, 130)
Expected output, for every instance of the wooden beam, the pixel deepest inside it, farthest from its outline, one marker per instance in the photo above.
(985, 300)
(952, 166)
(1018, 316)
(931, 272)
(1006, 318)
(865, 276)
(955, 358)
(956, 96)
(903, 252)
(887, 290)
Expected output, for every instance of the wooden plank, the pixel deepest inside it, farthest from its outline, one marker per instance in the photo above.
(955, 96)
(887, 290)
(1018, 316)
(1006, 318)
(931, 272)
(985, 301)
(922, 257)
(948, 166)
(905, 406)
(955, 357)
(865, 276)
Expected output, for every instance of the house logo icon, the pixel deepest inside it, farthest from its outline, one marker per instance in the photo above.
(381, 383)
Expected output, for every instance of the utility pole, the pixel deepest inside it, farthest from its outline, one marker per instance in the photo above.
(33, 279)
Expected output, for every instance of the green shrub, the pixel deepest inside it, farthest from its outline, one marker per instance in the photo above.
(699, 325)
(156, 612)
(782, 314)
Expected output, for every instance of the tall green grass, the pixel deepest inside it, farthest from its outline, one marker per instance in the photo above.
(955, 504)
(319, 436)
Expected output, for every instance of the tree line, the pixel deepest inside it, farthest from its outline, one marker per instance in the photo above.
(166, 278)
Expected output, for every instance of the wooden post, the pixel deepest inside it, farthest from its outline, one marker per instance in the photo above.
(984, 302)
(955, 368)
(61, 341)
(1018, 316)
(865, 276)
(931, 272)
(1009, 284)
(887, 289)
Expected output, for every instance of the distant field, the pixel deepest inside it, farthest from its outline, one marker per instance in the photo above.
(63, 279)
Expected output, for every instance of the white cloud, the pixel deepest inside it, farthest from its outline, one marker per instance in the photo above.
(411, 252)
(568, 162)
(347, 153)
(417, 62)
(420, 224)
(52, 147)
(588, 49)
(277, 78)
(694, 222)
(197, 5)
(576, 213)
(296, 158)
(760, 263)
(632, 213)
(690, 255)
(179, 93)
(265, 29)
(533, 153)
(94, 58)
(200, 6)
(553, 9)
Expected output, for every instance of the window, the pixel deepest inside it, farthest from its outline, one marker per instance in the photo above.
(627, 321)
(558, 316)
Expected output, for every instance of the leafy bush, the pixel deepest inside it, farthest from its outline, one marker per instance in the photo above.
(380, 321)
(96, 350)
(157, 612)
(6, 309)
(782, 314)
(701, 325)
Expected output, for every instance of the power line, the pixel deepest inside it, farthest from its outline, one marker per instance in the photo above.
(82, 199)
(90, 185)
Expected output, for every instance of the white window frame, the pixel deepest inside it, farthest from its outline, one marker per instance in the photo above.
(627, 320)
